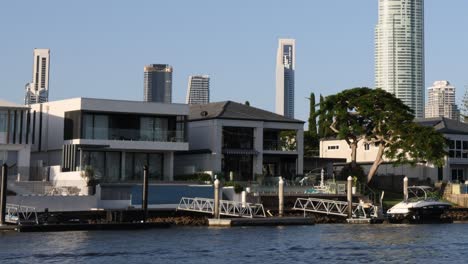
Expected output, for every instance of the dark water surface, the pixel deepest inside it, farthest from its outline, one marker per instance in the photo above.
(303, 244)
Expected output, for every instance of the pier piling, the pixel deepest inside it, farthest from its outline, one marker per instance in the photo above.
(281, 197)
(3, 194)
(216, 199)
(350, 197)
(144, 204)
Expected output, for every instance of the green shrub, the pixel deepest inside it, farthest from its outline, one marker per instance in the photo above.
(355, 171)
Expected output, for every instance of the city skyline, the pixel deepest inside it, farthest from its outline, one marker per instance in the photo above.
(233, 48)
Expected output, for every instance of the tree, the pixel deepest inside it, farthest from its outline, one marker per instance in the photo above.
(323, 124)
(311, 140)
(312, 116)
(342, 112)
(396, 135)
(247, 103)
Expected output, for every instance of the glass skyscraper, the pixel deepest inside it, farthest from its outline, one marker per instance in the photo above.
(198, 91)
(285, 67)
(158, 83)
(399, 51)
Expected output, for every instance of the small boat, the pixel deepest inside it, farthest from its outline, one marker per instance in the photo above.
(418, 207)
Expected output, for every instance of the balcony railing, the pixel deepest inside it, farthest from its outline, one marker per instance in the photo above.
(135, 135)
(278, 145)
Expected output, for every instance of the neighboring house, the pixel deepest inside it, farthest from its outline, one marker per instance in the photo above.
(243, 142)
(15, 145)
(114, 137)
(455, 169)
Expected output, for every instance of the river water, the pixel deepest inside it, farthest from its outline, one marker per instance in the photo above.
(293, 244)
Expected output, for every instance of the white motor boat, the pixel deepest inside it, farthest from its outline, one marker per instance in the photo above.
(418, 207)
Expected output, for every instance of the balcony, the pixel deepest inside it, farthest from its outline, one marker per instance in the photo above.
(135, 135)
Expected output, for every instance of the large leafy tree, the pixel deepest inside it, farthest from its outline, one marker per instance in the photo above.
(396, 135)
(377, 117)
(343, 114)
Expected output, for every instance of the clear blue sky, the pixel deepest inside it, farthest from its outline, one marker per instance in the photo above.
(99, 48)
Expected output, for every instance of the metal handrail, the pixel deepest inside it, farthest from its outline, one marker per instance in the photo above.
(17, 214)
(332, 207)
(228, 208)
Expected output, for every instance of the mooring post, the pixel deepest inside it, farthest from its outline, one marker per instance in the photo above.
(244, 198)
(3, 194)
(281, 197)
(216, 199)
(144, 204)
(405, 189)
(350, 197)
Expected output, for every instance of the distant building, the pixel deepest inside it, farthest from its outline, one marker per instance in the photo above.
(198, 91)
(464, 107)
(441, 101)
(399, 51)
(38, 90)
(158, 83)
(285, 68)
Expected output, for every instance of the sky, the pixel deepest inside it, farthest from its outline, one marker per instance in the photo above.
(99, 48)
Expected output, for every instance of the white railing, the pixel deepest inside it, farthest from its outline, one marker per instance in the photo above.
(18, 214)
(331, 207)
(227, 208)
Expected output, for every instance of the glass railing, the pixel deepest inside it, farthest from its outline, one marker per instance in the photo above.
(135, 135)
(278, 145)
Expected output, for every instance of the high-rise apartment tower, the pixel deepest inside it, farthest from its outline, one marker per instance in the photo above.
(37, 91)
(158, 83)
(285, 68)
(399, 51)
(441, 101)
(198, 91)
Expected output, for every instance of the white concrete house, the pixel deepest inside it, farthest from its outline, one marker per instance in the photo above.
(456, 165)
(15, 145)
(242, 142)
(114, 137)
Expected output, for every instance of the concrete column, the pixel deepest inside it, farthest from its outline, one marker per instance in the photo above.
(216, 199)
(405, 189)
(3, 193)
(300, 151)
(281, 197)
(258, 146)
(122, 166)
(350, 196)
(216, 146)
(168, 170)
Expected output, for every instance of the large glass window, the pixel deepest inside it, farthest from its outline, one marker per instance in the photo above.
(113, 166)
(238, 137)
(133, 127)
(3, 121)
(458, 149)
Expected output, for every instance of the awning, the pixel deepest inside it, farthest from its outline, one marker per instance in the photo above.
(240, 152)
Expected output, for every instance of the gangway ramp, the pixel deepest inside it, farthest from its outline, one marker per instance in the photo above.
(332, 207)
(19, 214)
(227, 208)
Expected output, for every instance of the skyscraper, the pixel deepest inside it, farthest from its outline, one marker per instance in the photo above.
(441, 101)
(37, 91)
(158, 83)
(285, 67)
(399, 51)
(198, 91)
